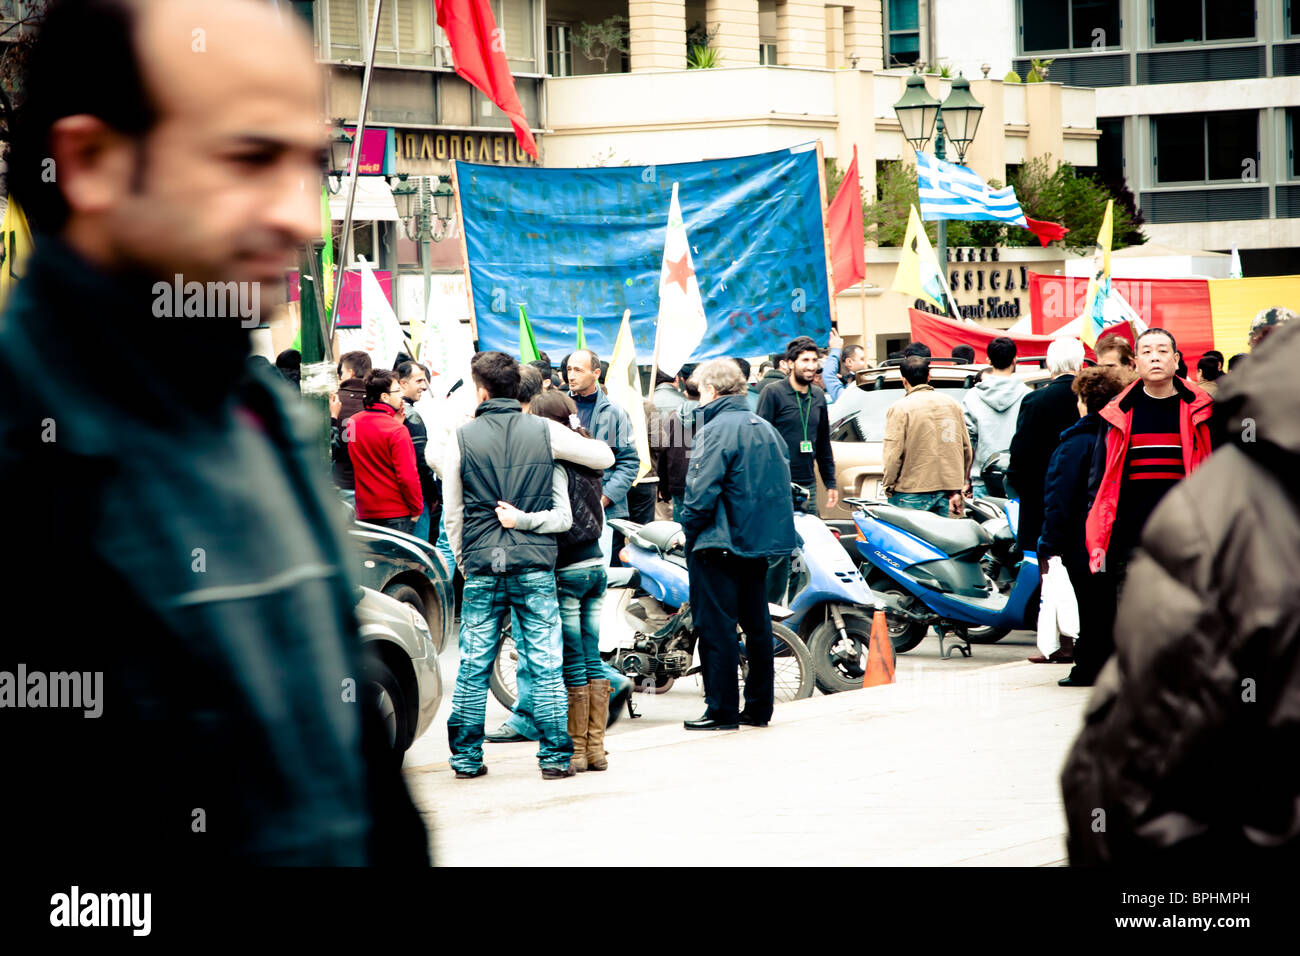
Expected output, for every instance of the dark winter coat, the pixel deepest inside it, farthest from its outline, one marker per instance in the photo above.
(1043, 415)
(582, 540)
(352, 396)
(1187, 750)
(738, 493)
(1065, 496)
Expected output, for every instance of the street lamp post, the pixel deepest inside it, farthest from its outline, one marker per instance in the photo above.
(921, 115)
(426, 217)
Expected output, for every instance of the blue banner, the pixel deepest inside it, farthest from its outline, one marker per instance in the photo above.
(589, 242)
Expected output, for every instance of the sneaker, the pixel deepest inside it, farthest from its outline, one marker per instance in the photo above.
(471, 774)
(555, 773)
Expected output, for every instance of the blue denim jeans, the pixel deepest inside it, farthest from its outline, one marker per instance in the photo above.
(421, 529)
(935, 501)
(487, 600)
(582, 594)
(443, 547)
(978, 488)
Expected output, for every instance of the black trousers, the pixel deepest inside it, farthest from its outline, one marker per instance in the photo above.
(778, 569)
(1098, 596)
(726, 591)
(403, 523)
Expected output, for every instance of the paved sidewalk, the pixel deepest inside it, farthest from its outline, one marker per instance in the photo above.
(945, 768)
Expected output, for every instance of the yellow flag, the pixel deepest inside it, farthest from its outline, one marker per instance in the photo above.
(623, 385)
(919, 274)
(1093, 323)
(17, 239)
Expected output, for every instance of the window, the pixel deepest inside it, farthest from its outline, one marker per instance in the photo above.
(1110, 150)
(767, 54)
(486, 113)
(515, 21)
(902, 31)
(1292, 18)
(1292, 132)
(1192, 21)
(1047, 25)
(410, 21)
(1209, 147)
(559, 50)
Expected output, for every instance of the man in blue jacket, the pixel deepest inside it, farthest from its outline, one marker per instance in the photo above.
(737, 512)
(606, 421)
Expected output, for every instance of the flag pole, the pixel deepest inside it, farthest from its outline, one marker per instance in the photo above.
(345, 241)
(654, 368)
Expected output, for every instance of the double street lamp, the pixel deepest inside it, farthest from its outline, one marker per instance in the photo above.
(955, 119)
(426, 209)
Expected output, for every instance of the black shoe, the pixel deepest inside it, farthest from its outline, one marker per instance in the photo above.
(1073, 682)
(749, 721)
(503, 735)
(555, 773)
(464, 775)
(708, 723)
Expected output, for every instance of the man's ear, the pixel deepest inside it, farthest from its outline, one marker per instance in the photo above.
(93, 162)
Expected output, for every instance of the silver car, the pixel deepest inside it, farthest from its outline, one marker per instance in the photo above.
(401, 666)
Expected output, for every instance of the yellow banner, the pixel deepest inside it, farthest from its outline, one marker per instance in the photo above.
(17, 238)
(1235, 302)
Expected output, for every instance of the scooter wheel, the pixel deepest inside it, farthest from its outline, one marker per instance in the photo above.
(839, 663)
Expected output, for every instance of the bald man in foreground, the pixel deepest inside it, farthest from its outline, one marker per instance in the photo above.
(174, 554)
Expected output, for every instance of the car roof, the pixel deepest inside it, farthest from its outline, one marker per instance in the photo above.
(948, 373)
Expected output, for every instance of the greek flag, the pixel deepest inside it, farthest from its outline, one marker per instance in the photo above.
(949, 191)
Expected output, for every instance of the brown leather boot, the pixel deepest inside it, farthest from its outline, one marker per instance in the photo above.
(597, 717)
(578, 718)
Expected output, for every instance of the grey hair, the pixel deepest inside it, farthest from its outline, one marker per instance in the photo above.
(1064, 355)
(722, 374)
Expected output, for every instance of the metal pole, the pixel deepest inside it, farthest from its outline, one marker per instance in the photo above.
(346, 240)
(426, 247)
(942, 251)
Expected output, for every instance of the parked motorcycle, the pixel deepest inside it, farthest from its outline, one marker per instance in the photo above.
(929, 570)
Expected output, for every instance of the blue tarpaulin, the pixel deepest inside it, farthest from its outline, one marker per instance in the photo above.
(589, 242)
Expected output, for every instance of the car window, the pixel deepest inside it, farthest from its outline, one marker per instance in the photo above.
(864, 420)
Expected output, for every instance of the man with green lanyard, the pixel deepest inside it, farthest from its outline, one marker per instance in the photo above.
(797, 409)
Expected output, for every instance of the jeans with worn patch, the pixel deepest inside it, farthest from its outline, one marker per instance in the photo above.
(488, 600)
(582, 595)
(934, 501)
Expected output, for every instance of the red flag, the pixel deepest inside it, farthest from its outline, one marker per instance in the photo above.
(1045, 231)
(844, 221)
(479, 52)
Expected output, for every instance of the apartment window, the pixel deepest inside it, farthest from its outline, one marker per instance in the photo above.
(559, 50)
(1110, 150)
(767, 54)
(1292, 147)
(405, 31)
(1194, 21)
(515, 21)
(487, 113)
(902, 32)
(1048, 25)
(1207, 147)
(1292, 18)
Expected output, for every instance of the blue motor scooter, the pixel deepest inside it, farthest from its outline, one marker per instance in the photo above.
(927, 569)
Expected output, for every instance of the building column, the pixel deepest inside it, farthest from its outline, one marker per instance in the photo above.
(1043, 108)
(737, 25)
(800, 33)
(864, 35)
(987, 155)
(657, 34)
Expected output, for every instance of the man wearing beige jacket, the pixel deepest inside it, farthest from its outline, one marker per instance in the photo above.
(927, 452)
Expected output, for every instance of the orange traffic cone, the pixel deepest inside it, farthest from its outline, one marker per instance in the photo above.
(880, 654)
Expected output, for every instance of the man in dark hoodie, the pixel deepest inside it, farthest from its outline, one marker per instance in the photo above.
(1185, 753)
(346, 402)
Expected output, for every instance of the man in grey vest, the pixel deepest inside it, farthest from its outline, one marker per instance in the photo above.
(503, 456)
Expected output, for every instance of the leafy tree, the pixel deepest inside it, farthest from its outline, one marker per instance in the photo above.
(600, 41)
(1056, 194)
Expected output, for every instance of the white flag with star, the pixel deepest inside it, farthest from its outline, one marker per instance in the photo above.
(681, 313)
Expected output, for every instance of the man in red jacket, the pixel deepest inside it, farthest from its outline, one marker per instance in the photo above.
(383, 457)
(1159, 433)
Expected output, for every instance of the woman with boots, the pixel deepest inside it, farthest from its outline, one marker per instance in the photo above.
(580, 582)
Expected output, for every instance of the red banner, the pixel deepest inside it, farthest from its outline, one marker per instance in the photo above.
(942, 334)
(350, 297)
(1180, 305)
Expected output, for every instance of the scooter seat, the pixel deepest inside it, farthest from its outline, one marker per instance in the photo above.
(658, 534)
(952, 536)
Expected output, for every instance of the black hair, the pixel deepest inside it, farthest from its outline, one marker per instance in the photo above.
(407, 369)
(530, 383)
(800, 345)
(379, 382)
(289, 362)
(964, 351)
(357, 362)
(1181, 371)
(776, 358)
(850, 351)
(1208, 366)
(99, 38)
(1232, 362)
(663, 378)
(916, 369)
(916, 348)
(564, 369)
(1173, 342)
(687, 370)
(1002, 353)
(542, 357)
(496, 372)
(743, 365)
(895, 355)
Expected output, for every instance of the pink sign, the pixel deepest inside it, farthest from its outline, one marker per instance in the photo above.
(350, 297)
(376, 156)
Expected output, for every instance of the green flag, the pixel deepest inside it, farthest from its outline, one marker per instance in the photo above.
(327, 254)
(527, 344)
(582, 338)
